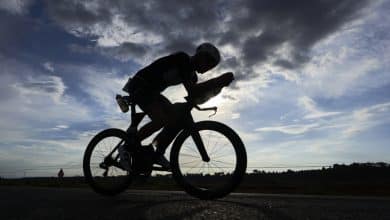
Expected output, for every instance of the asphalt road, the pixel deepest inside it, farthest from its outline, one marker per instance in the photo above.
(64, 203)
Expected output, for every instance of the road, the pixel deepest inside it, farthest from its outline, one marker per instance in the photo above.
(65, 203)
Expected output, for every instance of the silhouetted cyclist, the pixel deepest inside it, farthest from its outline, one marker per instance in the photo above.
(174, 69)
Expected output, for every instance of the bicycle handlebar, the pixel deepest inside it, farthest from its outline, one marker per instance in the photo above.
(214, 108)
(125, 101)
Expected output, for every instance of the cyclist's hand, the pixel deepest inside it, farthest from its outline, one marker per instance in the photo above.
(226, 78)
(202, 92)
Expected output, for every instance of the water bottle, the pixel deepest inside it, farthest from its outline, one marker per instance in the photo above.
(122, 103)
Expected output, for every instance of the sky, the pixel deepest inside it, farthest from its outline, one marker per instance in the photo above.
(312, 82)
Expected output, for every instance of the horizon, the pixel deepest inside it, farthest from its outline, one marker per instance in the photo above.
(251, 172)
(311, 85)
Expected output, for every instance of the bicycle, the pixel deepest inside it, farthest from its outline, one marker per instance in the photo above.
(203, 170)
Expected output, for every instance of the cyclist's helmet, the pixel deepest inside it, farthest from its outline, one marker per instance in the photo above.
(211, 51)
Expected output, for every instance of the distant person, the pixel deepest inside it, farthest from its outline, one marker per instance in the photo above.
(60, 176)
(178, 68)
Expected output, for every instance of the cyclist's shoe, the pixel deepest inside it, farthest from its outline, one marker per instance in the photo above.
(124, 157)
(162, 161)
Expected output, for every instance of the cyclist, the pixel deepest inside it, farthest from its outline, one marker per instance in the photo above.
(178, 68)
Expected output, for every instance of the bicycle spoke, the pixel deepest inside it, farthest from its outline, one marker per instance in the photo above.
(194, 166)
(100, 156)
(218, 161)
(191, 149)
(208, 165)
(219, 149)
(225, 155)
(102, 149)
(192, 161)
(201, 168)
(189, 155)
(217, 166)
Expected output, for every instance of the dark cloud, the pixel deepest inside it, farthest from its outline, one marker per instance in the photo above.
(297, 24)
(184, 44)
(123, 52)
(284, 63)
(260, 47)
(129, 50)
(74, 13)
(275, 31)
(230, 63)
(15, 28)
(15, 7)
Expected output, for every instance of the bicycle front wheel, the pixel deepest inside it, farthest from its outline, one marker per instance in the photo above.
(217, 177)
(101, 166)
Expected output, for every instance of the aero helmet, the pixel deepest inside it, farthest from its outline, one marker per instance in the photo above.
(211, 50)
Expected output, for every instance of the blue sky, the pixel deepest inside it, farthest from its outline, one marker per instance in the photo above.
(312, 78)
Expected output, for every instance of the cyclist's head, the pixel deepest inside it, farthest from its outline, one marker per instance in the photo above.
(206, 57)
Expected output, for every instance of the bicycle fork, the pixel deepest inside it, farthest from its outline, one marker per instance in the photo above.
(198, 141)
(200, 145)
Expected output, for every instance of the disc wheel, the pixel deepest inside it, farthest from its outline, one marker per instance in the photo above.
(217, 177)
(103, 171)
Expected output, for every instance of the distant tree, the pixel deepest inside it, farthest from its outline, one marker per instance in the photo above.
(382, 164)
(219, 174)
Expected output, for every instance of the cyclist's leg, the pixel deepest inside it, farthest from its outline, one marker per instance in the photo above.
(163, 114)
(165, 137)
(155, 108)
(177, 120)
(148, 129)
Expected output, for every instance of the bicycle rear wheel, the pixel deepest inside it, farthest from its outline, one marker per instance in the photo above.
(103, 171)
(218, 177)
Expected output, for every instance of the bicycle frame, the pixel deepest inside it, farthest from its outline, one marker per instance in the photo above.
(137, 117)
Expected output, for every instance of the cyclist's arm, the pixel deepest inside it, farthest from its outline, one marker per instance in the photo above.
(201, 92)
(189, 86)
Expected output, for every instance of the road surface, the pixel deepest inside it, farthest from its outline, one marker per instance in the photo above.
(66, 203)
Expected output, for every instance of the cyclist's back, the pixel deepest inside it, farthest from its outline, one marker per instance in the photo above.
(168, 71)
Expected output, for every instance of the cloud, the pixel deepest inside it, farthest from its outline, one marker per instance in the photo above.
(311, 110)
(48, 66)
(45, 157)
(302, 60)
(33, 102)
(289, 129)
(351, 61)
(73, 14)
(42, 85)
(102, 87)
(39, 119)
(235, 115)
(276, 31)
(351, 136)
(15, 6)
(335, 125)
(341, 72)
(124, 52)
(366, 118)
(60, 127)
(272, 25)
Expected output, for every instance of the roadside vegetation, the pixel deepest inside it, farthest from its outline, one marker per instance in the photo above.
(370, 179)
